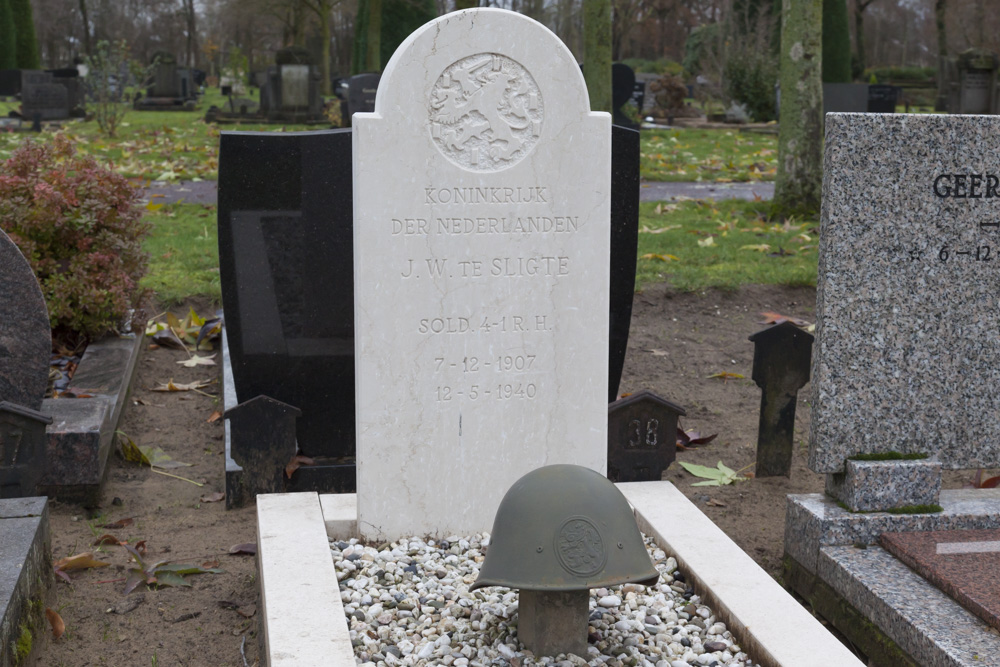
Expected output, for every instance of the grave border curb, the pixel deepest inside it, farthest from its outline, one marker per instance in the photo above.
(27, 598)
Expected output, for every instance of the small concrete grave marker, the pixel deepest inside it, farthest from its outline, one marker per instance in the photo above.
(481, 275)
(642, 437)
(781, 358)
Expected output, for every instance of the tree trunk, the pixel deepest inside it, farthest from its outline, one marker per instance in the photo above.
(324, 31)
(86, 27)
(190, 19)
(597, 53)
(799, 184)
(940, 11)
(465, 4)
(373, 46)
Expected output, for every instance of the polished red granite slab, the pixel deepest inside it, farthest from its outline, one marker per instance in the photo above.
(965, 564)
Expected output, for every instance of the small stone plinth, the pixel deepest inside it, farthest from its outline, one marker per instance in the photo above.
(25, 569)
(553, 622)
(873, 486)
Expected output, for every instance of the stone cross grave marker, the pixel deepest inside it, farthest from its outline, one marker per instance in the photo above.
(482, 203)
(907, 356)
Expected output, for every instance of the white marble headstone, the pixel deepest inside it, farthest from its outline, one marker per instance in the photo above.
(482, 234)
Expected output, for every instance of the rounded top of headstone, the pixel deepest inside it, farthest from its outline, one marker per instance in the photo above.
(163, 58)
(565, 528)
(978, 59)
(293, 55)
(25, 336)
(470, 81)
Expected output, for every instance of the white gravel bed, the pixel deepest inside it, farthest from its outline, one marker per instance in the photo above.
(408, 603)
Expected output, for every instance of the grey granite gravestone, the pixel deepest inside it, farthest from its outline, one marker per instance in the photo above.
(908, 346)
(905, 362)
(361, 90)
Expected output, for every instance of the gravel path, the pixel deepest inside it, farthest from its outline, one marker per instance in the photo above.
(207, 192)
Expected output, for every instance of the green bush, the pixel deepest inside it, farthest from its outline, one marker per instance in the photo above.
(661, 66)
(749, 77)
(701, 46)
(80, 226)
(902, 74)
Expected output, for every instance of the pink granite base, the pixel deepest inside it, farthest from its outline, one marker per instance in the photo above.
(965, 564)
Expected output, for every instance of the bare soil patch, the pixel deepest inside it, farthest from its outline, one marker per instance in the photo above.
(677, 341)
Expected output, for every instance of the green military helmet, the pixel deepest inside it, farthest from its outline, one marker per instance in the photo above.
(565, 528)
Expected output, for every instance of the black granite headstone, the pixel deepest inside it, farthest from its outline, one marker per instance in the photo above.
(782, 355)
(361, 89)
(10, 82)
(642, 437)
(286, 262)
(624, 242)
(882, 99)
(622, 89)
(40, 94)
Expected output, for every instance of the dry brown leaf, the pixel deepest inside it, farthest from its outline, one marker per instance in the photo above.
(107, 538)
(214, 417)
(297, 462)
(78, 562)
(777, 318)
(247, 611)
(715, 503)
(55, 620)
(213, 497)
(247, 548)
(119, 524)
(170, 385)
(209, 564)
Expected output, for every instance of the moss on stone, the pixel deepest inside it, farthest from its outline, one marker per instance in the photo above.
(889, 456)
(22, 645)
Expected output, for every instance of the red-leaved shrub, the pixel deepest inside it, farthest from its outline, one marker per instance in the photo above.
(80, 226)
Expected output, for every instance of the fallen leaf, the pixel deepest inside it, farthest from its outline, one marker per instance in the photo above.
(247, 611)
(213, 497)
(718, 476)
(214, 417)
(763, 247)
(167, 338)
(690, 439)
(210, 563)
(55, 620)
(80, 561)
(662, 258)
(119, 524)
(247, 548)
(195, 360)
(659, 230)
(190, 386)
(707, 242)
(106, 539)
(659, 353)
(297, 462)
(726, 375)
(778, 318)
(715, 503)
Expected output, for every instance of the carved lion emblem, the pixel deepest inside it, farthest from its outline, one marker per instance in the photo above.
(580, 547)
(485, 112)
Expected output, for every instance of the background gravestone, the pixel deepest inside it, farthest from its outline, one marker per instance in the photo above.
(40, 94)
(285, 257)
(481, 278)
(361, 89)
(25, 347)
(907, 344)
(622, 92)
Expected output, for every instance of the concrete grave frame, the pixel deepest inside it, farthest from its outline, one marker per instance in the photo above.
(25, 570)
(295, 563)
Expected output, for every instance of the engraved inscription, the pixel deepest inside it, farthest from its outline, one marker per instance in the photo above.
(638, 439)
(580, 547)
(488, 324)
(485, 112)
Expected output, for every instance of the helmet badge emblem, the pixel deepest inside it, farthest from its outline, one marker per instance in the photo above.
(580, 547)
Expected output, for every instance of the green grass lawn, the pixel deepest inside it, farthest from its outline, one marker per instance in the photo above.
(693, 245)
(183, 252)
(697, 244)
(708, 155)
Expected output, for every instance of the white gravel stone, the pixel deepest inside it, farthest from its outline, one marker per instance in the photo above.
(409, 604)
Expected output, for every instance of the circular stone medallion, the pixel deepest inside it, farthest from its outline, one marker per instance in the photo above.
(580, 547)
(485, 112)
